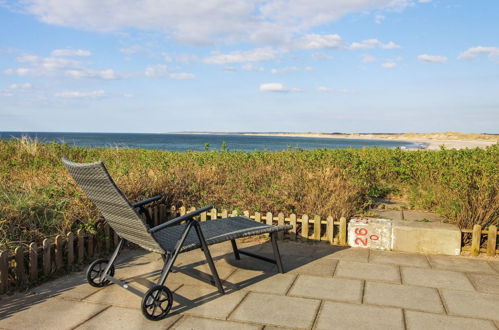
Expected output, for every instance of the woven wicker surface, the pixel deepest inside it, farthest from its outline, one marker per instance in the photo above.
(214, 231)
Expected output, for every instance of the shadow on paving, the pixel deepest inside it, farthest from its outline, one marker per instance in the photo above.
(74, 286)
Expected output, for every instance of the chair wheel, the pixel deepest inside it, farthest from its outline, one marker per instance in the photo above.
(95, 271)
(157, 302)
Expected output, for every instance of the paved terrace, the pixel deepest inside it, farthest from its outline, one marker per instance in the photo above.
(325, 288)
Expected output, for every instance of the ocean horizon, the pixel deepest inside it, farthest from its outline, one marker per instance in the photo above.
(203, 141)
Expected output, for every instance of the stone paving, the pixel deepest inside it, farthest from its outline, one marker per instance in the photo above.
(325, 287)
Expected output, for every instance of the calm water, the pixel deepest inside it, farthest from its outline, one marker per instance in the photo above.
(184, 142)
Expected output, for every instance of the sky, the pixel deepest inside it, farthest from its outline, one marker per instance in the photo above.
(156, 66)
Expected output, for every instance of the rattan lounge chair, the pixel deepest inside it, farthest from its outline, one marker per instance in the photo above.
(169, 239)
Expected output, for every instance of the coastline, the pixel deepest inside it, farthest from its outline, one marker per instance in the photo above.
(427, 141)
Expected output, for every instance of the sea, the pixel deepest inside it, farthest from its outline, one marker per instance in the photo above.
(203, 142)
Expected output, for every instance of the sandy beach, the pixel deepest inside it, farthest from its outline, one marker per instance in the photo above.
(429, 141)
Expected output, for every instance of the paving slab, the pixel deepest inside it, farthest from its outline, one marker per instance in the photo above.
(494, 265)
(460, 264)
(398, 258)
(435, 278)
(190, 322)
(334, 315)
(403, 296)
(125, 318)
(424, 321)
(350, 254)
(258, 281)
(52, 314)
(486, 283)
(304, 265)
(205, 302)
(367, 271)
(338, 289)
(276, 310)
(472, 304)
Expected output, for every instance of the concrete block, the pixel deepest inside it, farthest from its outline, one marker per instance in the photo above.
(426, 237)
(436, 278)
(282, 311)
(419, 320)
(349, 316)
(487, 283)
(302, 265)
(370, 233)
(258, 281)
(403, 296)
(351, 254)
(328, 288)
(368, 271)
(461, 264)
(190, 322)
(398, 258)
(471, 304)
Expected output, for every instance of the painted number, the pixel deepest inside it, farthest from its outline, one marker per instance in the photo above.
(363, 240)
(361, 231)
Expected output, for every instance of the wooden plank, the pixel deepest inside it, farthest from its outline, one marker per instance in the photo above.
(203, 217)
(492, 241)
(213, 214)
(343, 231)
(268, 218)
(90, 245)
(70, 248)
(475, 240)
(182, 210)
(280, 222)
(116, 239)
(4, 272)
(224, 214)
(234, 213)
(246, 214)
(258, 217)
(162, 213)
(47, 260)
(292, 220)
(156, 215)
(317, 228)
(33, 262)
(59, 245)
(98, 239)
(81, 245)
(107, 237)
(330, 230)
(20, 269)
(304, 227)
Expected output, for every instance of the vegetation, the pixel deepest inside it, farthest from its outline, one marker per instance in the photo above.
(38, 198)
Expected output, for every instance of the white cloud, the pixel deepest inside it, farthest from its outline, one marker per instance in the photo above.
(131, 50)
(474, 52)
(379, 18)
(285, 70)
(157, 71)
(182, 75)
(319, 41)
(81, 95)
(432, 58)
(107, 74)
(333, 90)
(21, 86)
(389, 65)
(254, 55)
(43, 66)
(277, 87)
(71, 52)
(321, 56)
(373, 43)
(18, 71)
(251, 67)
(256, 21)
(368, 58)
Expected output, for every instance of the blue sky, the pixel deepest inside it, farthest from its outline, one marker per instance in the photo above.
(249, 65)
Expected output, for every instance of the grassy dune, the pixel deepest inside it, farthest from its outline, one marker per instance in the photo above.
(38, 198)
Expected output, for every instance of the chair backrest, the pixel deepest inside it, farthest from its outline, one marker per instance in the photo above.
(95, 180)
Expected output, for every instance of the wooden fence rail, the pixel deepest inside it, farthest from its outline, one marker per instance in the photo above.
(56, 255)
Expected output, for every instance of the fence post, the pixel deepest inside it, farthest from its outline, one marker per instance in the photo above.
(107, 237)
(330, 230)
(162, 213)
(317, 228)
(70, 247)
(292, 220)
(269, 218)
(492, 241)
(20, 269)
(33, 262)
(280, 222)
(258, 217)
(225, 214)
(246, 214)
(203, 216)
(182, 210)
(475, 240)
(213, 214)
(4, 271)
(59, 243)
(81, 245)
(90, 246)
(47, 262)
(304, 227)
(343, 231)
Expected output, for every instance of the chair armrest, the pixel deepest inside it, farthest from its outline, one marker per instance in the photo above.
(175, 221)
(146, 201)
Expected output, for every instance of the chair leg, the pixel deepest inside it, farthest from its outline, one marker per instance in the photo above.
(234, 248)
(113, 258)
(209, 259)
(277, 255)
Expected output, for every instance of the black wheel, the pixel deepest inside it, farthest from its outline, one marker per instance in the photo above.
(95, 271)
(157, 302)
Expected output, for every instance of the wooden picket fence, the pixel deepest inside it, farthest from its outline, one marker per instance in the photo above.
(63, 253)
(482, 240)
